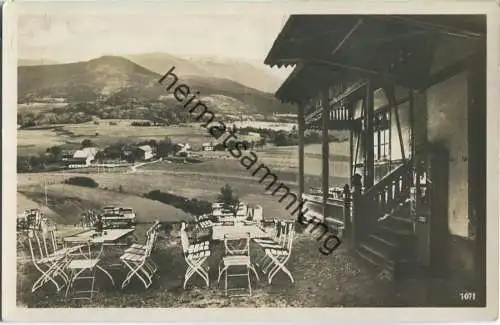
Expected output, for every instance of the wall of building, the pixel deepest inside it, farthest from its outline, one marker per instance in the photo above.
(447, 125)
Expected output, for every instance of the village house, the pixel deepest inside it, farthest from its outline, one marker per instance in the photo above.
(207, 146)
(82, 158)
(184, 150)
(145, 152)
(411, 91)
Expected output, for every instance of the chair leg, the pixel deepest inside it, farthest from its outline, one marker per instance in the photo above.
(249, 282)
(130, 274)
(226, 281)
(106, 272)
(47, 275)
(70, 284)
(254, 271)
(221, 271)
(280, 265)
(196, 267)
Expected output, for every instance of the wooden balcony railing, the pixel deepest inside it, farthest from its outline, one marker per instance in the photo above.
(340, 114)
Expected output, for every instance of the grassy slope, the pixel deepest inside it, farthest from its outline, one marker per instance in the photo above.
(69, 201)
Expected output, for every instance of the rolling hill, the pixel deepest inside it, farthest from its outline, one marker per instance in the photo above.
(118, 77)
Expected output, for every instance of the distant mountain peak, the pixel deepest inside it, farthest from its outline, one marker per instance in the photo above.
(239, 70)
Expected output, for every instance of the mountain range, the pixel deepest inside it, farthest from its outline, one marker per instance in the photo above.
(137, 76)
(243, 72)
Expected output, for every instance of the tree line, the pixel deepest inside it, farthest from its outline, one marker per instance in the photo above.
(82, 112)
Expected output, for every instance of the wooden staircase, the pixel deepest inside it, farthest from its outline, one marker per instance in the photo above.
(386, 239)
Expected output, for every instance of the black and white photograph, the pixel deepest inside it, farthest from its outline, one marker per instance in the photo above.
(213, 158)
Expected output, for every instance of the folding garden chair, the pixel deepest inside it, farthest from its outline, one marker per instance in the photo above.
(54, 245)
(274, 238)
(50, 265)
(195, 255)
(139, 261)
(154, 228)
(83, 268)
(237, 254)
(278, 256)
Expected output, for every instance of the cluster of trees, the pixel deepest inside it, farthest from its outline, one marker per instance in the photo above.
(31, 164)
(286, 138)
(147, 123)
(131, 153)
(230, 201)
(30, 119)
(82, 181)
(244, 145)
(192, 206)
(141, 123)
(74, 113)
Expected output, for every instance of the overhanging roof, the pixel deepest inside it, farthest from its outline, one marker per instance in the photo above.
(305, 79)
(324, 36)
(392, 47)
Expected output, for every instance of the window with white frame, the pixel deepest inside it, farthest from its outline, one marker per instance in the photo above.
(381, 137)
(381, 145)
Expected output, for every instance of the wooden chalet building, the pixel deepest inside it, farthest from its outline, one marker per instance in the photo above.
(412, 92)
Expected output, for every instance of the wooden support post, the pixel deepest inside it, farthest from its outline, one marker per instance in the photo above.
(351, 156)
(301, 150)
(412, 125)
(368, 135)
(476, 116)
(422, 230)
(347, 211)
(326, 150)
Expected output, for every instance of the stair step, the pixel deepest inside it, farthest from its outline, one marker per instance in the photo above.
(402, 219)
(377, 252)
(374, 262)
(397, 223)
(383, 239)
(398, 232)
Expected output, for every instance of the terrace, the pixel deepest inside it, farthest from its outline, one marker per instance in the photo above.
(337, 280)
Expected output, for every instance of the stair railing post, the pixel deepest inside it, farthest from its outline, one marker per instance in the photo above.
(347, 210)
(357, 209)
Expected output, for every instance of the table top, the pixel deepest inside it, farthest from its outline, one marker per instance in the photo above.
(109, 236)
(255, 232)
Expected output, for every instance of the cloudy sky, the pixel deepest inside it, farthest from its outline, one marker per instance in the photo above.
(64, 37)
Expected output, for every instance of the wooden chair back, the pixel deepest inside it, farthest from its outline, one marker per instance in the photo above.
(237, 244)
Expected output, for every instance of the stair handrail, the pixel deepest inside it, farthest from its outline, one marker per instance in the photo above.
(389, 192)
(389, 178)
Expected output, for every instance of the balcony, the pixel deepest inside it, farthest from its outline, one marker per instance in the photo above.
(339, 119)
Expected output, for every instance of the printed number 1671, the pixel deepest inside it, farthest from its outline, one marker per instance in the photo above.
(467, 296)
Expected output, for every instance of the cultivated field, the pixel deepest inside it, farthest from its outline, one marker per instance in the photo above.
(32, 141)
